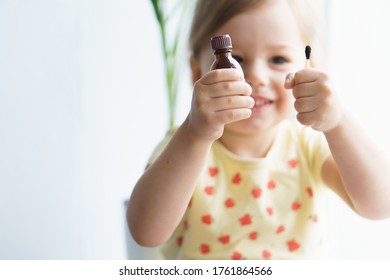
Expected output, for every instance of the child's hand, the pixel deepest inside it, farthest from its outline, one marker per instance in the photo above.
(219, 97)
(315, 102)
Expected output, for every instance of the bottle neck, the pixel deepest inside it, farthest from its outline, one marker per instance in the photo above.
(223, 52)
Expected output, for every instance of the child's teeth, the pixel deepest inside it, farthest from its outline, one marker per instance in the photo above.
(259, 102)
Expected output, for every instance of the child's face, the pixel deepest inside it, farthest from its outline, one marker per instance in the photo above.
(268, 44)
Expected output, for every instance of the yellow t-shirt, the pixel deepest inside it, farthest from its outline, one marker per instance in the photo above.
(262, 208)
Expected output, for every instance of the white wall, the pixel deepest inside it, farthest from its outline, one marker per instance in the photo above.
(82, 105)
(359, 59)
(80, 112)
(40, 87)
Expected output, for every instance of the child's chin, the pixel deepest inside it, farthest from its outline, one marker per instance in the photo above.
(252, 126)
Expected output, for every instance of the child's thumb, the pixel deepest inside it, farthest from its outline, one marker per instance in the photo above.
(289, 81)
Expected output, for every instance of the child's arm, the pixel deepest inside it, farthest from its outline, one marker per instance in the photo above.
(162, 194)
(357, 171)
(361, 166)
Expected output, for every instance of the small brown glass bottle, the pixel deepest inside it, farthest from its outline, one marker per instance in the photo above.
(222, 48)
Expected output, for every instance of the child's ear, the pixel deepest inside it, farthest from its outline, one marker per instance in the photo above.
(195, 69)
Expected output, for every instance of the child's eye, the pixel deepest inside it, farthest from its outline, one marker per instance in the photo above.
(279, 60)
(238, 58)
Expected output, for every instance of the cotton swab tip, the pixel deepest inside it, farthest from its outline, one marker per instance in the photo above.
(308, 52)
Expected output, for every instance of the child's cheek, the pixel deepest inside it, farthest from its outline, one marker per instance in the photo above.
(291, 101)
(288, 104)
(285, 103)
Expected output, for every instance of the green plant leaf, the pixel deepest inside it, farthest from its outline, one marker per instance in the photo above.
(172, 63)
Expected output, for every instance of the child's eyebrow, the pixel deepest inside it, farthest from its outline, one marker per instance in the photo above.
(289, 48)
(282, 47)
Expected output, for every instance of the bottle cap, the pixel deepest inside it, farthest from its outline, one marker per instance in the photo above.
(221, 42)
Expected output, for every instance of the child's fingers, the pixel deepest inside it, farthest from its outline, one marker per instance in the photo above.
(289, 81)
(230, 88)
(314, 99)
(223, 89)
(231, 102)
(298, 90)
(232, 115)
(305, 118)
(220, 75)
(304, 76)
(318, 88)
(305, 90)
(309, 75)
(307, 104)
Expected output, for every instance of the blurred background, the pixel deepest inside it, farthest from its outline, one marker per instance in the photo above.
(83, 104)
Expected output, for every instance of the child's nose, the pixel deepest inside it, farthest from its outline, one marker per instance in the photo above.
(257, 74)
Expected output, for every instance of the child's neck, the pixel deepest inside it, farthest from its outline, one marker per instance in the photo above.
(253, 146)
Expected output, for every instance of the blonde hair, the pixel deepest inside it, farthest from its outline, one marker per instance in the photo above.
(209, 15)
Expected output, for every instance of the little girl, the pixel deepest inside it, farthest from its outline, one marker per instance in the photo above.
(238, 179)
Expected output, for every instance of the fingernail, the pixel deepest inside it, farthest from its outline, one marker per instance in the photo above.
(288, 78)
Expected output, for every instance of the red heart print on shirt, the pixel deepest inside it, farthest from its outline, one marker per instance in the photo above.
(213, 171)
(271, 185)
(180, 241)
(295, 206)
(236, 256)
(209, 190)
(245, 220)
(207, 219)
(229, 203)
(237, 179)
(280, 229)
(253, 235)
(224, 239)
(309, 191)
(293, 245)
(266, 254)
(256, 192)
(293, 163)
(204, 248)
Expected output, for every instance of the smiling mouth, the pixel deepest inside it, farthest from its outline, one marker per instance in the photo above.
(261, 102)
